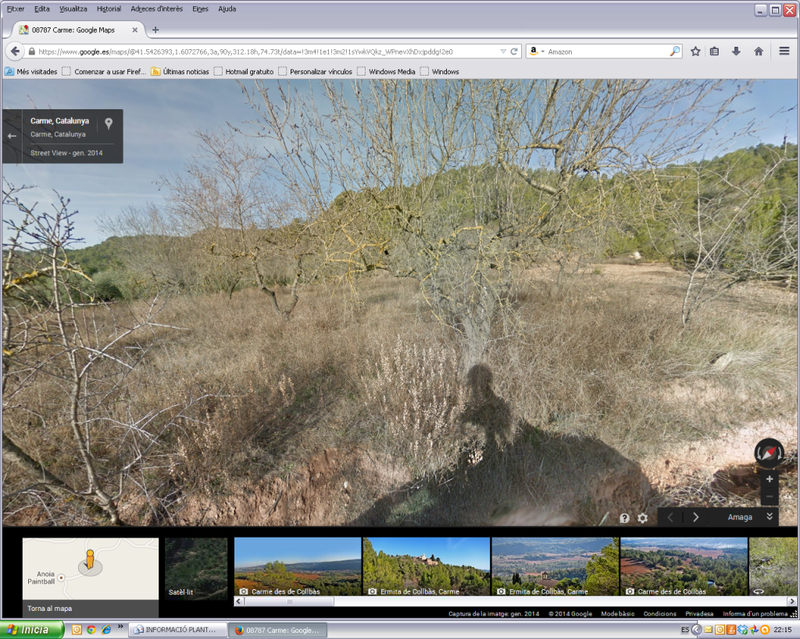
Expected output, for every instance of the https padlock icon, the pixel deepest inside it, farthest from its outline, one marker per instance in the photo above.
(31, 51)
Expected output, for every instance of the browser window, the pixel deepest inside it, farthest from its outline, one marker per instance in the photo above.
(405, 319)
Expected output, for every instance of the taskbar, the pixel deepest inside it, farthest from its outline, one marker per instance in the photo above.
(313, 608)
(701, 627)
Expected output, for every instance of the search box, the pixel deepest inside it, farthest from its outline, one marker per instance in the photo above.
(598, 51)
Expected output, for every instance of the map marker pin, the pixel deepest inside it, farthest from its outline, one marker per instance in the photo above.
(109, 122)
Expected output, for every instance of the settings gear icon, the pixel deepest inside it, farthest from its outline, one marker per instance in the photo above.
(642, 518)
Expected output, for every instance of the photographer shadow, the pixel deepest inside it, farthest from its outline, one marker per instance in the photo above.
(523, 475)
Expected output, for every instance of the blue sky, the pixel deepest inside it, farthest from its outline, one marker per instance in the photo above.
(258, 550)
(457, 551)
(161, 117)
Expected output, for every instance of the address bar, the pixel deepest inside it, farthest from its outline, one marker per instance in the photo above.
(323, 51)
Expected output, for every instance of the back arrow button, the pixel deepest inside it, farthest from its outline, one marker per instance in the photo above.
(14, 51)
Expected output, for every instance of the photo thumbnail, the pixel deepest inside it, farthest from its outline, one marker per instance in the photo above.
(297, 566)
(555, 566)
(684, 566)
(426, 566)
(196, 569)
(773, 566)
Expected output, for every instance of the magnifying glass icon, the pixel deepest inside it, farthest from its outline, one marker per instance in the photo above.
(674, 51)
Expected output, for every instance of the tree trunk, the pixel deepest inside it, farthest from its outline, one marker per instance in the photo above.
(475, 331)
(285, 313)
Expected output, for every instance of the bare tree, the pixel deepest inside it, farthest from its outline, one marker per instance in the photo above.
(733, 224)
(224, 201)
(67, 363)
(158, 257)
(532, 158)
(459, 183)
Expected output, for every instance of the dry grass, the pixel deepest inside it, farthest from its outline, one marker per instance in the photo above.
(421, 404)
(589, 382)
(612, 361)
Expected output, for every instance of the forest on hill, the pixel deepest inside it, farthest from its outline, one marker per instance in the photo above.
(404, 574)
(752, 190)
(677, 572)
